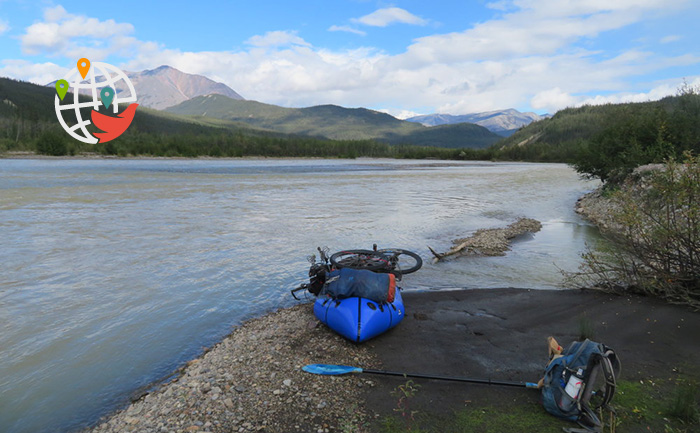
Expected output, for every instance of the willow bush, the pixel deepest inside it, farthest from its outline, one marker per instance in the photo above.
(655, 246)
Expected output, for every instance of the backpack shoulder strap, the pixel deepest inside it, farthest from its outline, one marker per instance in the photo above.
(604, 362)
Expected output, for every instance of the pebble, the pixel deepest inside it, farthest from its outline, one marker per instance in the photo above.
(213, 391)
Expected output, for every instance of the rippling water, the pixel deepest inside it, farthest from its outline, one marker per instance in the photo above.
(115, 272)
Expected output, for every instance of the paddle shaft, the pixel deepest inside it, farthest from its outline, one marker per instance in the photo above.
(451, 378)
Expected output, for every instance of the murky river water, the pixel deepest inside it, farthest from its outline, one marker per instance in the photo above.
(115, 272)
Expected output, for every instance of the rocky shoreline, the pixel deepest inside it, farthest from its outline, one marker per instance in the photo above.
(252, 381)
(597, 208)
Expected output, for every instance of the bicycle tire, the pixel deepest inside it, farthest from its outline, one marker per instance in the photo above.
(358, 259)
(398, 252)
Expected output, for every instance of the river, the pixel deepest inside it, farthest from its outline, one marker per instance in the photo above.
(116, 272)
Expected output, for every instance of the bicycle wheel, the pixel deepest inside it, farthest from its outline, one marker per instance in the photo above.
(407, 262)
(360, 259)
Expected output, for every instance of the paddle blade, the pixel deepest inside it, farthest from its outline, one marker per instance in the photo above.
(330, 370)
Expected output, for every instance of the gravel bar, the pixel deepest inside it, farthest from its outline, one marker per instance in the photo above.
(252, 381)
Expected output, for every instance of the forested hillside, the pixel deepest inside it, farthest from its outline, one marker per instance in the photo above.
(608, 141)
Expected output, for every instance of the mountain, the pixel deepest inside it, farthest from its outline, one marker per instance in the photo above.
(334, 122)
(502, 122)
(166, 86)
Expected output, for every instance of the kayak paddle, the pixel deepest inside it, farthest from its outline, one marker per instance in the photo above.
(335, 370)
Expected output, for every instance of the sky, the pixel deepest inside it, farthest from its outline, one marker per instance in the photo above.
(401, 57)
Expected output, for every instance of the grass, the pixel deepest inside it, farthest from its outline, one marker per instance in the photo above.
(586, 328)
(656, 405)
(684, 405)
(483, 420)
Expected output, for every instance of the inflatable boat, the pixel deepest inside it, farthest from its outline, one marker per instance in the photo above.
(359, 319)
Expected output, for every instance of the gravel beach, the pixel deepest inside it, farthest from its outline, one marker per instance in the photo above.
(252, 381)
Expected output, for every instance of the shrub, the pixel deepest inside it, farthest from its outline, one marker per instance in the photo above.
(656, 243)
(52, 143)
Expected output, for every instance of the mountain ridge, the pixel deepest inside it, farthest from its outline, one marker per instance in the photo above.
(502, 122)
(334, 122)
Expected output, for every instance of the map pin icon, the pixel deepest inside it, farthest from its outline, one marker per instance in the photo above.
(106, 95)
(83, 67)
(62, 88)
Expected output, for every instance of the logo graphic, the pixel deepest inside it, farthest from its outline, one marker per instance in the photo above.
(102, 87)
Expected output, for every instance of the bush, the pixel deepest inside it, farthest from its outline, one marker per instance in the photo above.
(52, 143)
(656, 243)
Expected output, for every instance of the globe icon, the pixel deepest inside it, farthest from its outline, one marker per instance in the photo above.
(99, 76)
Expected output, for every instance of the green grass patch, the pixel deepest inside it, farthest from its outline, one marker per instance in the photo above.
(586, 328)
(657, 405)
(485, 420)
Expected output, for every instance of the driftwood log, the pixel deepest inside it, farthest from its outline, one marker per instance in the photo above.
(490, 242)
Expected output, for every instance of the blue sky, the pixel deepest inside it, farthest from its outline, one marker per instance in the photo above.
(402, 57)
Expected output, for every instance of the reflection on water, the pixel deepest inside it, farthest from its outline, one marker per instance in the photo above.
(117, 271)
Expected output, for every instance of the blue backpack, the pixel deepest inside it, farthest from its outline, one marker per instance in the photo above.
(579, 382)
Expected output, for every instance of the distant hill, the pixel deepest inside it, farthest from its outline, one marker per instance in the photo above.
(502, 122)
(334, 122)
(648, 130)
(166, 86)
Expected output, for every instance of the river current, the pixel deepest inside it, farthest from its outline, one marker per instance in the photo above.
(116, 272)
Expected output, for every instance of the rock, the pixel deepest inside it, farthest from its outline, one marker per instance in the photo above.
(131, 420)
(287, 382)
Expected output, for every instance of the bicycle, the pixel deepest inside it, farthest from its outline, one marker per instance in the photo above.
(396, 261)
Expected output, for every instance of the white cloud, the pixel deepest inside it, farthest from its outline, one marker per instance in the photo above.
(40, 73)
(554, 97)
(4, 26)
(670, 38)
(348, 29)
(55, 14)
(277, 39)
(387, 16)
(502, 5)
(660, 90)
(75, 36)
